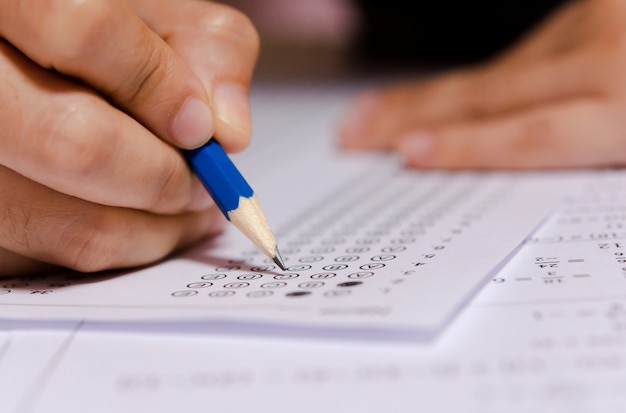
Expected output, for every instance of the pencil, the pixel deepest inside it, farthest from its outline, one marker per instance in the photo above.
(234, 197)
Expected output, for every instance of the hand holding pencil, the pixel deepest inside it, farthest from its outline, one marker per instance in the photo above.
(98, 98)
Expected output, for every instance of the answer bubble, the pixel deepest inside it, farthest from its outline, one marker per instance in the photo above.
(199, 285)
(334, 267)
(185, 293)
(397, 248)
(403, 240)
(236, 285)
(286, 276)
(227, 268)
(259, 294)
(384, 257)
(347, 258)
(323, 275)
(222, 294)
(213, 276)
(372, 266)
(253, 276)
(357, 250)
(263, 268)
(337, 293)
(299, 268)
(361, 274)
(298, 294)
(349, 284)
(311, 258)
(311, 284)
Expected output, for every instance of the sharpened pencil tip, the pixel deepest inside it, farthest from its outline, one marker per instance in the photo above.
(279, 260)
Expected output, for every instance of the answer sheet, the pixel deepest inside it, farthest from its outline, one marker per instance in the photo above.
(372, 249)
(547, 334)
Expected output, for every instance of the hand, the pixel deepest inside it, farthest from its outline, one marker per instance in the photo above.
(557, 99)
(95, 97)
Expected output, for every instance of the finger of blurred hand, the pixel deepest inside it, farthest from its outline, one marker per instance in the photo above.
(106, 45)
(66, 137)
(41, 224)
(378, 119)
(221, 46)
(553, 136)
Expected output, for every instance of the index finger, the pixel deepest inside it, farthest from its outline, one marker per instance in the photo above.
(105, 44)
(221, 46)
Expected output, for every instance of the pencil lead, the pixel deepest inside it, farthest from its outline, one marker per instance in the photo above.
(279, 260)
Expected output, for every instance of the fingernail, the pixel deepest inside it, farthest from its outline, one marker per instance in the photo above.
(232, 107)
(193, 125)
(416, 147)
(354, 128)
(201, 199)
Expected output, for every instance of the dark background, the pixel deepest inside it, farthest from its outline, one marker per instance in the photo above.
(444, 31)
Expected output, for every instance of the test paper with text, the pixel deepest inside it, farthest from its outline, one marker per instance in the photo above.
(371, 247)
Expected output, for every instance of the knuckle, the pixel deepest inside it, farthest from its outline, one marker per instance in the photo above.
(165, 185)
(91, 243)
(232, 24)
(153, 68)
(71, 139)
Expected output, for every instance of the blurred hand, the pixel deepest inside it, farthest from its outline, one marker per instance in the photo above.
(95, 96)
(555, 100)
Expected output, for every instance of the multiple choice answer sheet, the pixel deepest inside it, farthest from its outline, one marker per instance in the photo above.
(546, 334)
(372, 249)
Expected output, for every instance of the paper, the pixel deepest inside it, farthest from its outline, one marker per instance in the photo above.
(372, 249)
(27, 360)
(546, 334)
(525, 344)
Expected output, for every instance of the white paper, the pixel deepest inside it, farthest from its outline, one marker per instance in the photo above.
(27, 360)
(372, 249)
(520, 346)
(546, 334)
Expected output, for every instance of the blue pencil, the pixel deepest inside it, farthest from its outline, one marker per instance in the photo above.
(234, 197)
